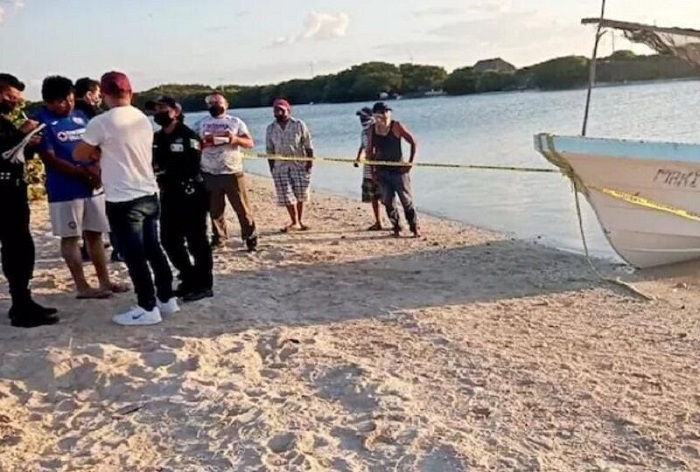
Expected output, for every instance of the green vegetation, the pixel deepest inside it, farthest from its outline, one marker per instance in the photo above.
(35, 174)
(368, 81)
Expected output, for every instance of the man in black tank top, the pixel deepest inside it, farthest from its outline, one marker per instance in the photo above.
(385, 139)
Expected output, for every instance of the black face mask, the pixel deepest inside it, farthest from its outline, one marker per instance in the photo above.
(216, 110)
(7, 107)
(163, 119)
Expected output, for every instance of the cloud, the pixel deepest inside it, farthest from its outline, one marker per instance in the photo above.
(319, 27)
(437, 11)
(17, 4)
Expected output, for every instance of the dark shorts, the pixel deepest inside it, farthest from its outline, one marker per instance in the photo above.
(370, 191)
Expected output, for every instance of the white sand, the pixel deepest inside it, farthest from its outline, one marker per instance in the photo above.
(344, 350)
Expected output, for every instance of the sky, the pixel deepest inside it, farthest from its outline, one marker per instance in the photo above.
(245, 42)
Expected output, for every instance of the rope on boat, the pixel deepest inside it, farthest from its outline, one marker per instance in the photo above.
(579, 187)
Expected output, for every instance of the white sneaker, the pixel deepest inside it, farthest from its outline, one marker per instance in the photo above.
(169, 307)
(138, 316)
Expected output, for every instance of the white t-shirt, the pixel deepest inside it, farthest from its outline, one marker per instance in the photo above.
(224, 158)
(125, 137)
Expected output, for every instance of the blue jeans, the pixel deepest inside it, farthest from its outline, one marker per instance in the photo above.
(135, 227)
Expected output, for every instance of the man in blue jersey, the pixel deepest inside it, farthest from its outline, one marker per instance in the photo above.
(74, 190)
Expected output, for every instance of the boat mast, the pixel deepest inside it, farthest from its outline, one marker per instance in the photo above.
(592, 69)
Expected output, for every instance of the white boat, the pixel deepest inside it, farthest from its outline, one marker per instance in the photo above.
(663, 226)
(646, 195)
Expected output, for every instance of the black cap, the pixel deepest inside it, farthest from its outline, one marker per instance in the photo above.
(168, 101)
(380, 107)
(12, 81)
(366, 111)
(150, 105)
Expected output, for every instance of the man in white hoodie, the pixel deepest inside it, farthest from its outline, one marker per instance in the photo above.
(223, 135)
(122, 140)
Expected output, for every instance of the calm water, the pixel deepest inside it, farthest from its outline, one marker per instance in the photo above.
(497, 129)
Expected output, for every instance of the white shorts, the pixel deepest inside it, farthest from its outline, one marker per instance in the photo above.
(70, 219)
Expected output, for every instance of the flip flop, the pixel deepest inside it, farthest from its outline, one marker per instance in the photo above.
(375, 227)
(119, 288)
(304, 228)
(94, 294)
(290, 229)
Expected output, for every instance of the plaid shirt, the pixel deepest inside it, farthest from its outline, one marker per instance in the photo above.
(293, 140)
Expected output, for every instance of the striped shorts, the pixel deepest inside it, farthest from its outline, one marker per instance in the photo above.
(292, 183)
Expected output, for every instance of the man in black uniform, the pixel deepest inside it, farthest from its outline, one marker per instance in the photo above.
(184, 201)
(15, 236)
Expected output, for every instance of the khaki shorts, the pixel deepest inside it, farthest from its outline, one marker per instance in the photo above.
(70, 219)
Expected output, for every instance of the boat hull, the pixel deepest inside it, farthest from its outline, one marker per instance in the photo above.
(665, 173)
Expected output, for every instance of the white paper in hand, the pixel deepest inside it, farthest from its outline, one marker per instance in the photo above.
(16, 154)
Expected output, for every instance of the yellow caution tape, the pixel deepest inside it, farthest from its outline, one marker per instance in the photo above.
(638, 200)
(340, 160)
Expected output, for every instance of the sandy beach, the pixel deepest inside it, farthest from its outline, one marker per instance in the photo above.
(340, 349)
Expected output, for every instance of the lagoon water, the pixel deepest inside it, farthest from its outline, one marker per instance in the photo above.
(497, 129)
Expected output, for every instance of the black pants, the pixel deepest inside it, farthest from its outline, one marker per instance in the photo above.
(135, 226)
(183, 231)
(17, 243)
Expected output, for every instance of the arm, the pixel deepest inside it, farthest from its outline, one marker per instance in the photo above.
(88, 150)
(194, 155)
(306, 141)
(243, 138)
(408, 136)
(269, 147)
(363, 146)
(370, 151)
(66, 168)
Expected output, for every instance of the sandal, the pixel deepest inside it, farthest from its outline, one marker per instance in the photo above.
(375, 227)
(94, 294)
(290, 229)
(116, 287)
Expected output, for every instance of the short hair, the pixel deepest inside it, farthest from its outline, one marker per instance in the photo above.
(9, 80)
(85, 85)
(56, 87)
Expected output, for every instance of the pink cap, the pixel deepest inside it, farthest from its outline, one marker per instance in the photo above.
(282, 103)
(115, 83)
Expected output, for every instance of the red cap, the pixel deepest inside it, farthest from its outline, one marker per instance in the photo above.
(282, 103)
(115, 83)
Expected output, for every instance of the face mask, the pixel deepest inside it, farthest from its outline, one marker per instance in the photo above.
(216, 110)
(7, 107)
(163, 119)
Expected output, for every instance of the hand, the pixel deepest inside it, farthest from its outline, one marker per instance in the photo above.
(208, 140)
(28, 126)
(91, 175)
(232, 137)
(356, 164)
(35, 141)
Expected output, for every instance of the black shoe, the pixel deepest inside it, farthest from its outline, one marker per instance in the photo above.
(34, 307)
(252, 244)
(198, 295)
(33, 320)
